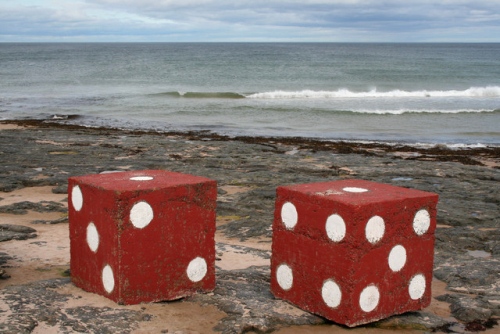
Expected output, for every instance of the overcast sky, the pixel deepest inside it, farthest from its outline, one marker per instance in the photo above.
(249, 21)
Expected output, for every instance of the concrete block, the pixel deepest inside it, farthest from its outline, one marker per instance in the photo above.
(353, 251)
(142, 236)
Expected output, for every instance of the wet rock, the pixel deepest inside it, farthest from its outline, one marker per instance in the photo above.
(467, 309)
(3, 274)
(51, 222)
(492, 303)
(471, 327)
(479, 276)
(16, 232)
(40, 302)
(412, 321)
(22, 208)
(495, 248)
(4, 257)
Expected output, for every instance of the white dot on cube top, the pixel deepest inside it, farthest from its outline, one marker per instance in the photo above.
(108, 280)
(397, 258)
(335, 228)
(141, 178)
(284, 275)
(354, 190)
(92, 237)
(141, 214)
(369, 298)
(417, 286)
(289, 215)
(331, 293)
(421, 222)
(77, 198)
(375, 229)
(197, 269)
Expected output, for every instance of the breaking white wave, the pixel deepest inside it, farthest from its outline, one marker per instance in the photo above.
(422, 111)
(487, 92)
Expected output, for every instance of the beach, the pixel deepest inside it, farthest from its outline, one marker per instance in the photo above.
(424, 93)
(37, 296)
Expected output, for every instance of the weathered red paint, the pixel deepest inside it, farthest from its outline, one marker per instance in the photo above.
(149, 264)
(353, 263)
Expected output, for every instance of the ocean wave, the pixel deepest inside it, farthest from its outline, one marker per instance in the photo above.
(202, 95)
(427, 111)
(489, 92)
(373, 111)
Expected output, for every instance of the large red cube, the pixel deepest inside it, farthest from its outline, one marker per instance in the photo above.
(353, 251)
(142, 236)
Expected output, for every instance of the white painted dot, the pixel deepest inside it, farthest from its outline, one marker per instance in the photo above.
(197, 269)
(335, 228)
(289, 215)
(141, 214)
(141, 178)
(92, 237)
(354, 190)
(77, 198)
(375, 229)
(417, 286)
(108, 280)
(421, 222)
(284, 275)
(331, 293)
(369, 298)
(397, 258)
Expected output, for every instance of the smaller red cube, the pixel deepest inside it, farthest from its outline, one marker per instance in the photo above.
(353, 251)
(142, 236)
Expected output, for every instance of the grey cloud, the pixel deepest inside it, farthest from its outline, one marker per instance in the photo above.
(334, 20)
(302, 13)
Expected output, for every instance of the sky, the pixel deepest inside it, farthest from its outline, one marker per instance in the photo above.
(249, 21)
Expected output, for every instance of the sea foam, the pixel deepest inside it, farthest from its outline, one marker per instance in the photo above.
(487, 92)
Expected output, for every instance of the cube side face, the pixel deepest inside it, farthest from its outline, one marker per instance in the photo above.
(391, 280)
(146, 243)
(174, 255)
(93, 238)
(302, 267)
(340, 252)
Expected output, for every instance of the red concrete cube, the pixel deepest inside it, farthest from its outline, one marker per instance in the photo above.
(353, 251)
(142, 236)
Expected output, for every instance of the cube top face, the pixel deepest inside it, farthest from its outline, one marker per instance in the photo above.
(142, 236)
(355, 192)
(139, 180)
(353, 251)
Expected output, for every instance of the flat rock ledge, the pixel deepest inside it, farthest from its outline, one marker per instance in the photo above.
(467, 251)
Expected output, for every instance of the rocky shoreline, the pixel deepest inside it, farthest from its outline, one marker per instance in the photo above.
(36, 154)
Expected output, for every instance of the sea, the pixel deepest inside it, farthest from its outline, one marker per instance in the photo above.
(422, 94)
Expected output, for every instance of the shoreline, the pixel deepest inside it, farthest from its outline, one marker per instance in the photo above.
(39, 157)
(484, 155)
